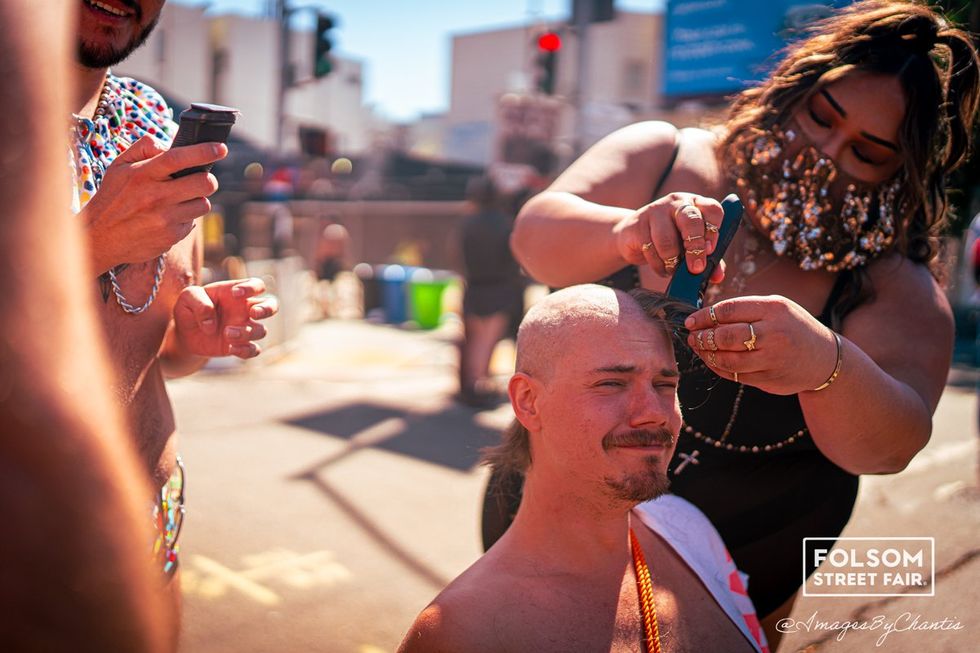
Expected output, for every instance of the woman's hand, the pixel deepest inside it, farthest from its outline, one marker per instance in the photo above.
(770, 343)
(679, 224)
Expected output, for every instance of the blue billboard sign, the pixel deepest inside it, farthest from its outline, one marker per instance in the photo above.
(715, 47)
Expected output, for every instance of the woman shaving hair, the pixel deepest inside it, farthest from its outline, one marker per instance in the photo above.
(822, 353)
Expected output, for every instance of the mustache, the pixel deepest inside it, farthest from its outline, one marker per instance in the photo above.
(638, 438)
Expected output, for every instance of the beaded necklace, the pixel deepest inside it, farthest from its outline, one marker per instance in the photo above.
(644, 586)
(722, 443)
(102, 114)
(746, 267)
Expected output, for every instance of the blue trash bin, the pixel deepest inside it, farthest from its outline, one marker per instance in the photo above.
(393, 293)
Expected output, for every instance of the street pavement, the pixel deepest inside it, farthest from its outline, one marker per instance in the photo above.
(334, 488)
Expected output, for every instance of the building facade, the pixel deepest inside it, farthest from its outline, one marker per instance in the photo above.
(619, 83)
(234, 60)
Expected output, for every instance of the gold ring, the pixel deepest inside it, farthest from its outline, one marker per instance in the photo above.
(695, 252)
(712, 359)
(671, 261)
(698, 337)
(710, 227)
(711, 314)
(750, 343)
(711, 340)
(736, 375)
(690, 238)
(646, 247)
(682, 207)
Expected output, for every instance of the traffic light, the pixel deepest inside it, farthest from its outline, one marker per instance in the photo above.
(548, 45)
(322, 63)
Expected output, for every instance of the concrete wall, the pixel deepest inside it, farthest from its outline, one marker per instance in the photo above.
(484, 66)
(177, 56)
(248, 76)
(376, 229)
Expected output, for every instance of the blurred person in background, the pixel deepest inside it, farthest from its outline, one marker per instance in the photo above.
(75, 572)
(493, 299)
(146, 250)
(331, 259)
(823, 354)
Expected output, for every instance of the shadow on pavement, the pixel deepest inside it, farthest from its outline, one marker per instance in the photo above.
(450, 437)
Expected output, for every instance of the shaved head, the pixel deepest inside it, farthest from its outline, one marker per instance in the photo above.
(550, 323)
(557, 326)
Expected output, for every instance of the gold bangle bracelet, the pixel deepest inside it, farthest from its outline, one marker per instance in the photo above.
(840, 360)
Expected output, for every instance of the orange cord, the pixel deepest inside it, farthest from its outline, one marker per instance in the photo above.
(645, 588)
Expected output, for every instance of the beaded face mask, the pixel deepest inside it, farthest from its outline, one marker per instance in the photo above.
(792, 192)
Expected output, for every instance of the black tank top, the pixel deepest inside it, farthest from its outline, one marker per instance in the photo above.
(763, 502)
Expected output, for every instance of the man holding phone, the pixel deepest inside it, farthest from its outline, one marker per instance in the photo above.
(144, 248)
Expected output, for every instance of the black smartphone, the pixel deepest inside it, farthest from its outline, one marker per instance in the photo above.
(203, 123)
(689, 287)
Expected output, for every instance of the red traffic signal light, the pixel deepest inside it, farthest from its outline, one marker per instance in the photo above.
(545, 61)
(549, 42)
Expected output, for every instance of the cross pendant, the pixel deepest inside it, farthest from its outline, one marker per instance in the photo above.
(691, 459)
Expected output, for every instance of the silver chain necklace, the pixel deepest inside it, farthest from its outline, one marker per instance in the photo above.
(121, 299)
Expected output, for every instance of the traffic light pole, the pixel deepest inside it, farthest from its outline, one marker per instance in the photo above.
(582, 19)
(282, 17)
(287, 76)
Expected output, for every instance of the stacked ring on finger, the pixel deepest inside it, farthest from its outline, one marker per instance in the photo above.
(710, 227)
(696, 252)
(711, 340)
(671, 261)
(711, 314)
(686, 205)
(698, 336)
(695, 237)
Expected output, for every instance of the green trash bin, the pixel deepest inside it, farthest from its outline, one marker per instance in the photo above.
(425, 296)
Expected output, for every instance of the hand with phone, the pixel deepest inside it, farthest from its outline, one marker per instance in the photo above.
(150, 197)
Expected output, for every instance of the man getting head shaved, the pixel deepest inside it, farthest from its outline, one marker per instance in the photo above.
(583, 568)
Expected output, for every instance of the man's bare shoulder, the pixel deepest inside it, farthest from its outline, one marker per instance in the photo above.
(466, 615)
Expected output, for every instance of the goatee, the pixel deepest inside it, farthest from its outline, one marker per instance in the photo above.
(640, 487)
(92, 56)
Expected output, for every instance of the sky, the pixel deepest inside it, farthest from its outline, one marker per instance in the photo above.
(405, 44)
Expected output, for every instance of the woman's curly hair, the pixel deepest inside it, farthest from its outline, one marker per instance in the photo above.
(939, 71)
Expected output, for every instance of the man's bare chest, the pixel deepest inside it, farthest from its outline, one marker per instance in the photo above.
(134, 339)
(578, 616)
